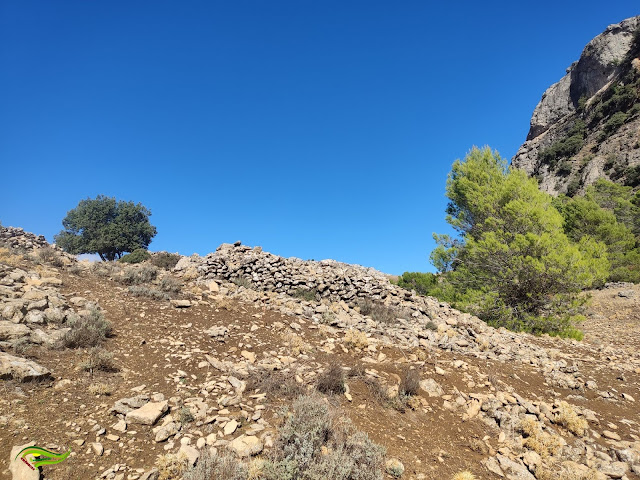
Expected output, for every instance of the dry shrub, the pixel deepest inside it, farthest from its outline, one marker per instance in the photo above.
(466, 475)
(356, 339)
(306, 294)
(138, 274)
(185, 416)
(170, 284)
(381, 313)
(142, 291)
(217, 466)
(543, 443)
(569, 418)
(410, 382)
(295, 343)
(171, 467)
(349, 454)
(276, 383)
(331, 381)
(104, 269)
(87, 331)
(51, 256)
(8, 257)
(100, 389)
(98, 359)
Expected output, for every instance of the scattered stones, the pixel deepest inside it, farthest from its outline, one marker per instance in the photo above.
(246, 446)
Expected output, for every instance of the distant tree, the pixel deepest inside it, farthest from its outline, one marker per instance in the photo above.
(107, 227)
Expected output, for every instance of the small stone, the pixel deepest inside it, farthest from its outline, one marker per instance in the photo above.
(230, 427)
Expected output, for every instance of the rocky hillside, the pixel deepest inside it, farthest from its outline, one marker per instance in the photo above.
(587, 125)
(201, 359)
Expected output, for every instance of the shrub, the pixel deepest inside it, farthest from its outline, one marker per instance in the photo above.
(331, 381)
(100, 389)
(381, 313)
(185, 416)
(89, 331)
(356, 339)
(212, 466)
(142, 291)
(242, 282)
(172, 466)
(165, 260)
(309, 295)
(466, 475)
(139, 274)
(49, 255)
(410, 382)
(422, 283)
(276, 382)
(137, 256)
(98, 359)
(536, 439)
(568, 418)
(170, 284)
(350, 455)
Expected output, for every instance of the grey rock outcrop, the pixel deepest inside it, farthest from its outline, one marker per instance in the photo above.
(604, 61)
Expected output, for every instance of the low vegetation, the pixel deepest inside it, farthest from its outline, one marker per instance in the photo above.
(85, 332)
(314, 443)
(137, 256)
(98, 359)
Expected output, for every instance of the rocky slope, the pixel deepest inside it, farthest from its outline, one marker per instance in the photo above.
(587, 125)
(210, 369)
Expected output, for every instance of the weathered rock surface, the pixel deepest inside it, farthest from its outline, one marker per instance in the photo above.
(604, 61)
(18, 468)
(147, 414)
(17, 368)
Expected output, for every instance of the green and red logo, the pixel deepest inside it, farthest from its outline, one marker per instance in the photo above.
(41, 456)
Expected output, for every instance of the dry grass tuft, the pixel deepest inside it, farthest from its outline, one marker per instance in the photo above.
(100, 389)
(543, 443)
(569, 418)
(296, 344)
(356, 339)
(171, 467)
(9, 258)
(466, 475)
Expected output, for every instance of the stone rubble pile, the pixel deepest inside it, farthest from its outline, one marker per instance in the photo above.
(340, 290)
(15, 237)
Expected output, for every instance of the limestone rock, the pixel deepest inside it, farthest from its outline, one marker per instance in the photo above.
(18, 368)
(246, 446)
(147, 414)
(18, 468)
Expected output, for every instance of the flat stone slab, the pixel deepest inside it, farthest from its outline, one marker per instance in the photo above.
(21, 369)
(147, 414)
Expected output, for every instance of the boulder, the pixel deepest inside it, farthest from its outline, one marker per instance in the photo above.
(246, 446)
(148, 414)
(19, 469)
(18, 368)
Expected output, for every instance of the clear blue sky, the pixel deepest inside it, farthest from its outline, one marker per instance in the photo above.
(315, 129)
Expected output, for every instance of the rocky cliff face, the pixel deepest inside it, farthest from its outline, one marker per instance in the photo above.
(587, 125)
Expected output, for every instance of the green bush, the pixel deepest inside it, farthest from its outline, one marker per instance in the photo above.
(137, 256)
(165, 260)
(516, 267)
(422, 283)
